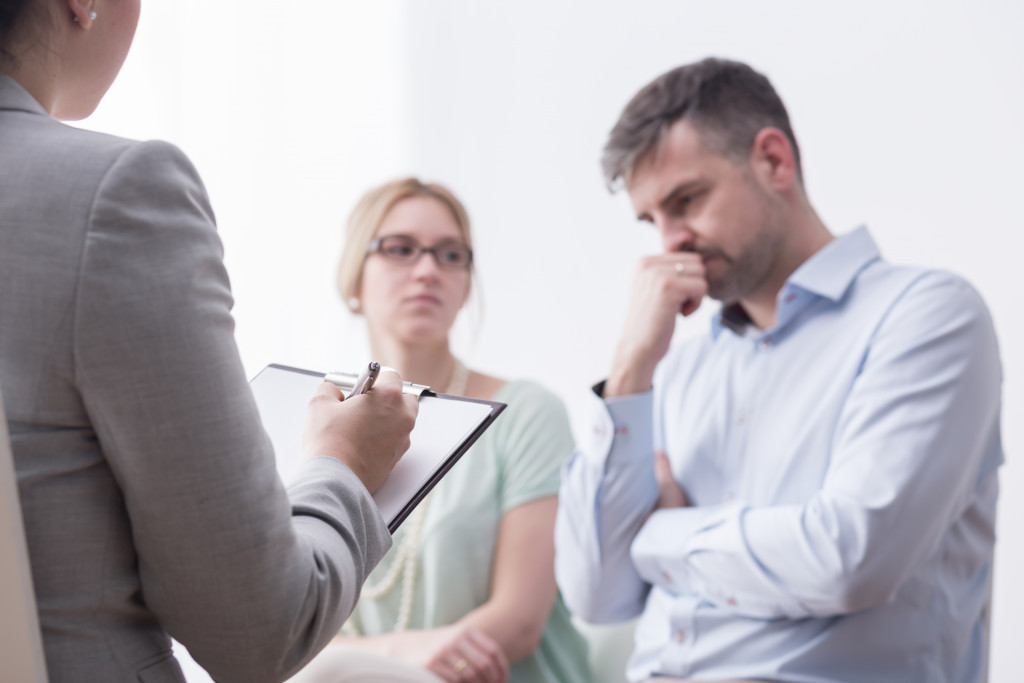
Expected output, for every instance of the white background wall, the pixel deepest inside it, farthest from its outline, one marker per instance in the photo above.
(908, 114)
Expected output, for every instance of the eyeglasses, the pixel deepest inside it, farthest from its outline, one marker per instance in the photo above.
(449, 254)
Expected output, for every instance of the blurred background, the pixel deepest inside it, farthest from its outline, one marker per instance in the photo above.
(908, 115)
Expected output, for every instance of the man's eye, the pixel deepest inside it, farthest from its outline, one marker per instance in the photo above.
(684, 202)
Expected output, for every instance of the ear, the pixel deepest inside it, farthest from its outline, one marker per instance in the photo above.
(82, 12)
(355, 302)
(773, 160)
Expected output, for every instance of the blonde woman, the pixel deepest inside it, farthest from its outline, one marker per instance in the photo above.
(468, 592)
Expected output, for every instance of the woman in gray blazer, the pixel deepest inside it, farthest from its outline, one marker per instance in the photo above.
(150, 497)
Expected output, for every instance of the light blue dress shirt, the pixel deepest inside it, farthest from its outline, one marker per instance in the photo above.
(841, 468)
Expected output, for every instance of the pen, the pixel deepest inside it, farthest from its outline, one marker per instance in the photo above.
(366, 380)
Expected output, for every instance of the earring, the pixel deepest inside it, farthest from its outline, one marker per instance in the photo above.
(92, 16)
(354, 304)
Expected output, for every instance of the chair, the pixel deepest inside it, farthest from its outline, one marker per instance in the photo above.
(21, 642)
(610, 647)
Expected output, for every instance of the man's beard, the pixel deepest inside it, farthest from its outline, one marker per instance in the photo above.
(747, 271)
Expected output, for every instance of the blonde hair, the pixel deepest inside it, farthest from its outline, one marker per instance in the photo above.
(369, 213)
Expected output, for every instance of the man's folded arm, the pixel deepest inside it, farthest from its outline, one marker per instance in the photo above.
(608, 488)
(916, 446)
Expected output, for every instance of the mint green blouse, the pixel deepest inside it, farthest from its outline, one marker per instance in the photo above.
(517, 460)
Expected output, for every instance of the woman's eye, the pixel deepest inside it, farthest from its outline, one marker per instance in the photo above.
(400, 250)
(451, 255)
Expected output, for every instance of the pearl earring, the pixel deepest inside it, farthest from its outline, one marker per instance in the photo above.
(92, 17)
(354, 304)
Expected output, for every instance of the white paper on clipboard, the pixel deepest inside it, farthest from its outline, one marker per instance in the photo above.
(446, 426)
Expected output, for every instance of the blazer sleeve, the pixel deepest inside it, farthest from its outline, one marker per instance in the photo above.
(253, 580)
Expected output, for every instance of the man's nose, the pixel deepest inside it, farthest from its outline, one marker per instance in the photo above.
(676, 235)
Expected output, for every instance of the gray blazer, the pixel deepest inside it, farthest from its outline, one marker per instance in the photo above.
(151, 500)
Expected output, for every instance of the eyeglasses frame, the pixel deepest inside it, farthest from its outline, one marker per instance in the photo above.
(377, 242)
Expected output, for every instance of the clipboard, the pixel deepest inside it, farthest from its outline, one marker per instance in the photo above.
(446, 426)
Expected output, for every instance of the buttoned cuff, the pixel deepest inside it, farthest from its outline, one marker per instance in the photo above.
(619, 429)
(662, 547)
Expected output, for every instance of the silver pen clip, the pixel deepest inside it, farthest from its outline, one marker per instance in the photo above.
(346, 381)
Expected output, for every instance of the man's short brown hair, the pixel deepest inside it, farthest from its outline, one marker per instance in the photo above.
(726, 101)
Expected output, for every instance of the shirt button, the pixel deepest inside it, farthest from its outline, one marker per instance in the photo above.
(729, 497)
(741, 418)
(765, 344)
(680, 635)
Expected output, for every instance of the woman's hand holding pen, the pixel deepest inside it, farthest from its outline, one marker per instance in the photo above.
(368, 433)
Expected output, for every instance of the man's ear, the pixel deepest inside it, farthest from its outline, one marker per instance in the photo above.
(773, 159)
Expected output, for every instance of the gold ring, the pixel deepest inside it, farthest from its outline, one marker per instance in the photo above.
(459, 665)
(680, 268)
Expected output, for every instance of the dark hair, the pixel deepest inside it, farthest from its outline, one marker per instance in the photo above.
(12, 14)
(727, 101)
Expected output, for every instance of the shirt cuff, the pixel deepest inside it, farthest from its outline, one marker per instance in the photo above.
(619, 429)
(661, 549)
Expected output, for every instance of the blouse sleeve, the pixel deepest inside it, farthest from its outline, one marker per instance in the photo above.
(533, 440)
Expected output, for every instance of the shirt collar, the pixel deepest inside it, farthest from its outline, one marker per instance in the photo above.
(14, 97)
(831, 271)
(828, 273)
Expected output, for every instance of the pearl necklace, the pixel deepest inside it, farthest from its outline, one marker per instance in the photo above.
(407, 555)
